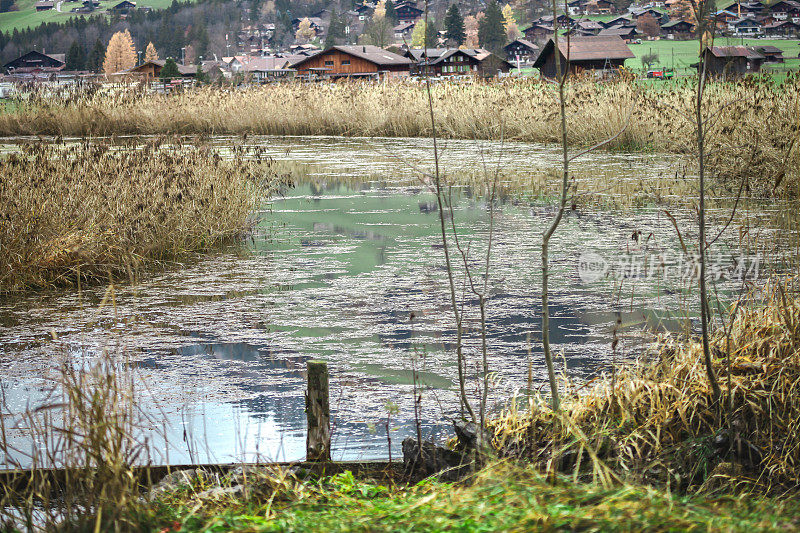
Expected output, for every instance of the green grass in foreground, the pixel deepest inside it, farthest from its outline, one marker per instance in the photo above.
(501, 499)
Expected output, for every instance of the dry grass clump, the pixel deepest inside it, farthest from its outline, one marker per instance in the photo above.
(659, 423)
(752, 133)
(92, 210)
(89, 427)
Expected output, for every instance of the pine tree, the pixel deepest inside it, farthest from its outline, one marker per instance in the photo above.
(150, 54)
(95, 60)
(454, 26)
(424, 35)
(491, 33)
(76, 57)
(120, 54)
(335, 33)
(170, 70)
(391, 12)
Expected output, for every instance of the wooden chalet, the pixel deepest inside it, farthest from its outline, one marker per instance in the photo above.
(785, 10)
(123, 7)
(743, 9)
(772, 54)
(606, 54)
(152, 69)
(36, 62)
(587, 28)
(785, 28)
(628, 33)
(730, 61)
(521, 50)
(678, 30)
(353, 62)
(44, 5)
(408, 12)
(537, 32)
(746, 27)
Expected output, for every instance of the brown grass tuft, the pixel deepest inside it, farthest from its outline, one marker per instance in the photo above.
(91, 210)
(659, 422)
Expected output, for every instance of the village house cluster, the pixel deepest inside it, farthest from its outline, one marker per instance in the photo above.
(597, 45)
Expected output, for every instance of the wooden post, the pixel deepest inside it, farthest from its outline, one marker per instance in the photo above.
(318, 416)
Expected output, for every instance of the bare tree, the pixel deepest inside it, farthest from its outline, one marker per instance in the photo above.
(702, 10)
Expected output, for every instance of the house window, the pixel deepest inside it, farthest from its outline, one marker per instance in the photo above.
(329, 63)
(345, 61)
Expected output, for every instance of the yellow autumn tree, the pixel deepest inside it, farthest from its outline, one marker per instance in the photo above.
(150, 54)
(120, 54)
(304, 31)
(510, 23)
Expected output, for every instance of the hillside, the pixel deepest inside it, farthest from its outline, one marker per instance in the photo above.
(27, 17)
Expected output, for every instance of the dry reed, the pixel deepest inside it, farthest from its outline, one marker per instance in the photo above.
(658, 422)
(753, 133)
(91, 210)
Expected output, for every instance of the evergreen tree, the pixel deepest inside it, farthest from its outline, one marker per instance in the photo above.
(431, 35)
(6, 5)
(454, 26)
(335, 33)
(170, 70)
(491, 31)
(200, 76)
(391, 12)
(76, 57)
(95, 60)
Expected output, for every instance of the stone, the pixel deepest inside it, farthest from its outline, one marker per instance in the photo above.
(218, 493)
(447, 464)
(176, 480)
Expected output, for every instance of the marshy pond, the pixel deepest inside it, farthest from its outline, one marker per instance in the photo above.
(347, 266)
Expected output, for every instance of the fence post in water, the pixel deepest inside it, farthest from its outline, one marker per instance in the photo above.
(318, 416)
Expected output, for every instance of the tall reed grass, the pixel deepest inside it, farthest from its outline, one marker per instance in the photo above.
(84, 211)
(89, 428)
(658, 423)
(753, 134)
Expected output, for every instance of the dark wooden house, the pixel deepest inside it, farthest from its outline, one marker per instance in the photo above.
(536, 32)
(521, 50)
(785, 28)
(123, 7)
(353, 62)
(34, 62)
(772, 54)
(44, 5)
(408, 12)
(152, 69)
(677, 29)
(730, 61)
(628, 33)
(606, 54)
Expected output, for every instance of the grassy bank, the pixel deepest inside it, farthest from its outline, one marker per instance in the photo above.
(753, 133)
(500, 498)
(92, 211)
(659, 423)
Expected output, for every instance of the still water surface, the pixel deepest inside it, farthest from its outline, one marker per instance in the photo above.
(348, 267)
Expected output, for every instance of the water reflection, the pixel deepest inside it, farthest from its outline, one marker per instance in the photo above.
(335, 271)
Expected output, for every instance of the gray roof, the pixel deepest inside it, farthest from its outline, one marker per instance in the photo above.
(370, 53)
(588, 48)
